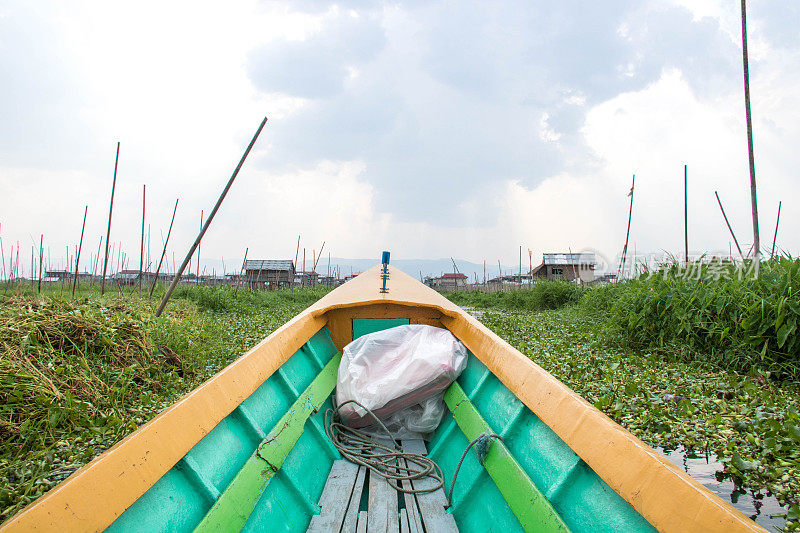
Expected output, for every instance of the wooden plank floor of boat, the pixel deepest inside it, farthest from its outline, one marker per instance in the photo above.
(341, 500)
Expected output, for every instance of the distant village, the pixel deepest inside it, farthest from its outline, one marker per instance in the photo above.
(272, 274)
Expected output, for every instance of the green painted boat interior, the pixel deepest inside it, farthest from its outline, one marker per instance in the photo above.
(542, 466)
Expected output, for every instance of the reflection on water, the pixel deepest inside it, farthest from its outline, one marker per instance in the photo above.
(702, 467)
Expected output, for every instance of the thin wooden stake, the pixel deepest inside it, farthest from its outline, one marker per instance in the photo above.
(110, 210)
(78, 258)
(729, 225)
(774, 238)
(164, 252)
(208, 222)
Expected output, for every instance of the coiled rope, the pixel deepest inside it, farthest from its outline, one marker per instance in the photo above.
(389, 461)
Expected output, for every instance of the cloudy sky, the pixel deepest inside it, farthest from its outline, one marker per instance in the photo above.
(432, 129)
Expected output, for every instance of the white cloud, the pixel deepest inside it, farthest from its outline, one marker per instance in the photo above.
(428, 150)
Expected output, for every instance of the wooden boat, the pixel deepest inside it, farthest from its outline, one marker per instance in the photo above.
(247, 449)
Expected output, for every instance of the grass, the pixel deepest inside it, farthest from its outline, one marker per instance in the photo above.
(733, 320)
(78, 375)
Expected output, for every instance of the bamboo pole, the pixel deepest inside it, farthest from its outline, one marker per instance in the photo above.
(530, 268)
(303, 277)
(519, 280)
(78, 258)
(164, 252)
(729, 225)
(296, 252)
(41, 258)
(141, 246)
(208, 222)
(774, 237)
(627, 232)
(3, 259)
(198, 248)
(242, 272)
(316, 261)
(110, 210)
(685, 215)
(753, 200)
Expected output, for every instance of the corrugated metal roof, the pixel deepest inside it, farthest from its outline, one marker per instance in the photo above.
(454, 275)
(585, 258)
(269, 264)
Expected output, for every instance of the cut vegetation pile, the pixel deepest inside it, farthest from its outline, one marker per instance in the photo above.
(77, 376)
(62, 365)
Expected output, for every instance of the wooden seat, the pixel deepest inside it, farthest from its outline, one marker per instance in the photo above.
(340, 502)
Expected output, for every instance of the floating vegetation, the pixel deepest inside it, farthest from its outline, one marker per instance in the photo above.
(749, 422)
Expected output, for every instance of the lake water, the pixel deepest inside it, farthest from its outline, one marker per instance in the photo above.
(702, 467)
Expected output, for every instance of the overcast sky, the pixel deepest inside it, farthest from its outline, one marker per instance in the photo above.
(432, 129)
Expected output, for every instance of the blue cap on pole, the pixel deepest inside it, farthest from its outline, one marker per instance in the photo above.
(385, 258)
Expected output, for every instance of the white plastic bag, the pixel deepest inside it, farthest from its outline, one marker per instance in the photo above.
(397, 373)
(415, 422)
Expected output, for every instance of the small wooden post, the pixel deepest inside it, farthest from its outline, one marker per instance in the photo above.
(78, 258)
